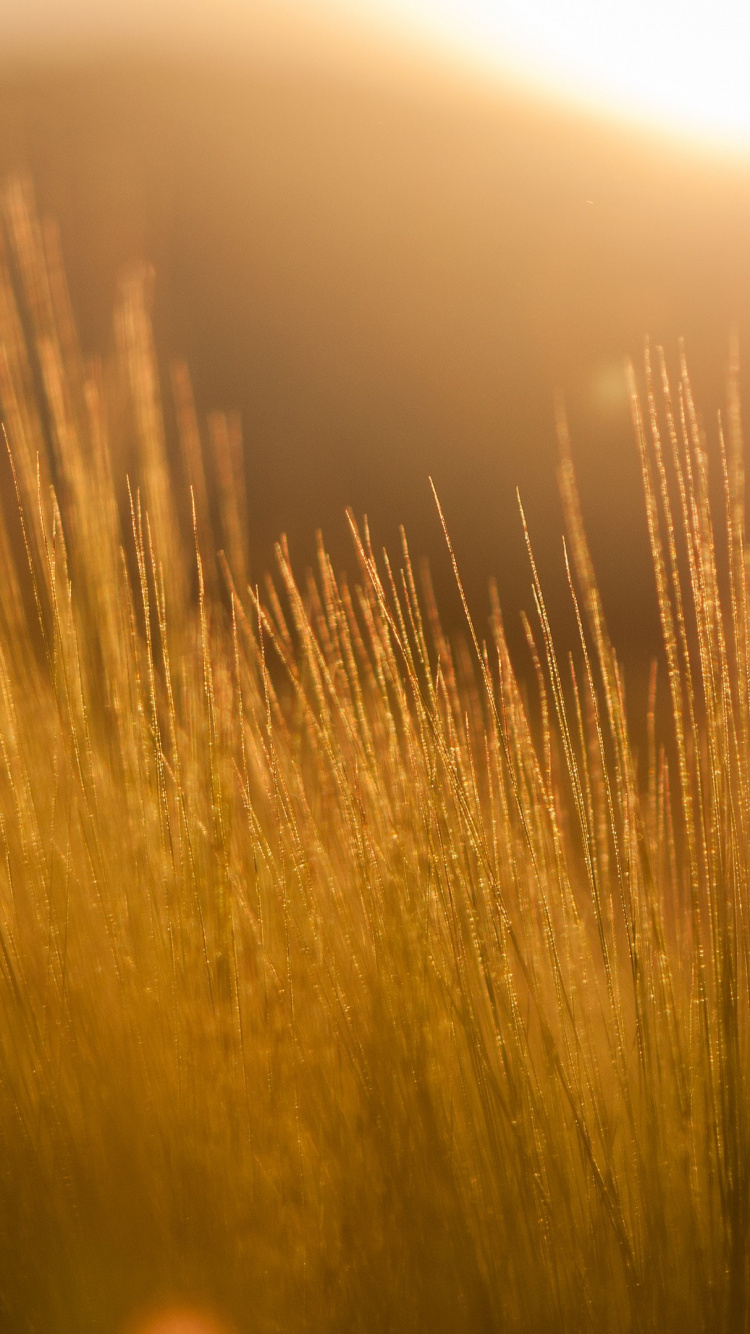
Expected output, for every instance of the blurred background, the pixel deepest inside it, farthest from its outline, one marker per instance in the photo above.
(388, 236)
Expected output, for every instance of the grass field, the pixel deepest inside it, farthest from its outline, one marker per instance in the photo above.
(349, 979)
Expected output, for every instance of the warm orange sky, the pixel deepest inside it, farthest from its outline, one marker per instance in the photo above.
(681, 64)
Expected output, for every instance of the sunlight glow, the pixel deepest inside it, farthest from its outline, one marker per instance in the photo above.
(684, 64)
(178, 1320)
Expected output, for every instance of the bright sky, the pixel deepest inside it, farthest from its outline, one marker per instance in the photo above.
(682, 63)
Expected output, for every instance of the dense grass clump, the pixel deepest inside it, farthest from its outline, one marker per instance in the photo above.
(345, 983)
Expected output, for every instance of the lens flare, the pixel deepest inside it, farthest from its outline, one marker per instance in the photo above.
(681, 63)
(178, 1319)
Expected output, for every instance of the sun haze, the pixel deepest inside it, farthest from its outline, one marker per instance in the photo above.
(677, 63)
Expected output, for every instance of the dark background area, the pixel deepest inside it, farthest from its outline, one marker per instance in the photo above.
(390, 277)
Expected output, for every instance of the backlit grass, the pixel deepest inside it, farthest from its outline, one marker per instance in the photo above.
(346, 983)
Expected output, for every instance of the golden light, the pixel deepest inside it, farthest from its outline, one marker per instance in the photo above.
(178, 1320)
(683, 65)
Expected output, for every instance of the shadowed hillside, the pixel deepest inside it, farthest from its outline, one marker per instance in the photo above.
(389, 279)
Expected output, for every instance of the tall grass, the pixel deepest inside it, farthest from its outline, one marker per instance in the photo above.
(342, 987)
